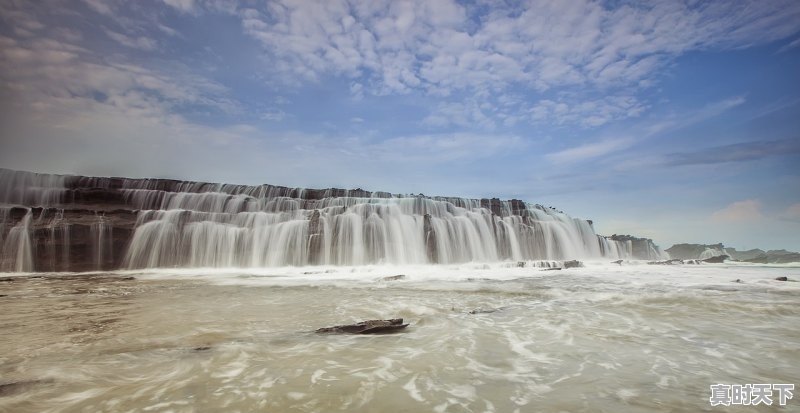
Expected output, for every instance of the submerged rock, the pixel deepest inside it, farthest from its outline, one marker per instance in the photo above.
(8, 389)
(617, 262)
(552, 269)
(484, 310)
(367, 327)
(394, 278)
(782, 279)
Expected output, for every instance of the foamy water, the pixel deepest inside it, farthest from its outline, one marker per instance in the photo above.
(483, 338)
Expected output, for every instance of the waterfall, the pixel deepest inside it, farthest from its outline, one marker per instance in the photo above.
(30, 189)
(220, 230)
(102, 245)
(17, 249)
(168, 223)
(56, 245)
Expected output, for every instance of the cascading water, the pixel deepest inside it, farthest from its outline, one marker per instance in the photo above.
(102, 245)
(194, 224)
(17, 249)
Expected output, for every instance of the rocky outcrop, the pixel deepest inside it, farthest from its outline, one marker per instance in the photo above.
(705, 251)
(641, 248)
(692, 251)
(716, 260)
(673, 261)
(367, 327)
(781, 256)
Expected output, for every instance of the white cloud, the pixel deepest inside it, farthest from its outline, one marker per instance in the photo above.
(469, 114)
(186, 6)
(100, 6)
(740, 211)
(440, 47)
(792, 213)
(587, 113)
(590, 150)
(789, 46)
(141, 42)
(275, 115)
(439, 148)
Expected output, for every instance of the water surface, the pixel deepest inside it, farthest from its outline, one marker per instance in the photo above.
(483, 338)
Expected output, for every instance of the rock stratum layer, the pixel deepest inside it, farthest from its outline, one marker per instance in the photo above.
(79, 223)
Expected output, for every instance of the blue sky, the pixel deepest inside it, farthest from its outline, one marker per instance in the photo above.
(673, 120)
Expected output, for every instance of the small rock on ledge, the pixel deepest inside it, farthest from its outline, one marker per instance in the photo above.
(367, 327)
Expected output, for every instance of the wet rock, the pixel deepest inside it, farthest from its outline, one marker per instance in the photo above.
(552, 269)
(619, 262)
(667, 262)
(738, 280)
(367, 327)
(8, 389)
(202, 348)
(3, 295)
(6, 280)
(394, 278)
(127, 278)
(782, 279)
(520, 264)
(716, 260)
(573, 264)
(484, 311)
(430, 239)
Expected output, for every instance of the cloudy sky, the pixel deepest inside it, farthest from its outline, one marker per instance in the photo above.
(676, 120)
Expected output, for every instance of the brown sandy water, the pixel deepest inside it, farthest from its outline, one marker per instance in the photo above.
(492, 340)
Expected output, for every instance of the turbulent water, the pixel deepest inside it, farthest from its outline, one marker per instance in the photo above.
(483, 338)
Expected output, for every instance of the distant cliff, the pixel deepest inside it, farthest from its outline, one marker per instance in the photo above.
(79, 223)
(704, 251)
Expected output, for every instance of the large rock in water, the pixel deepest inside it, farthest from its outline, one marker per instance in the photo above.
(367, 327)
(716, 260)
